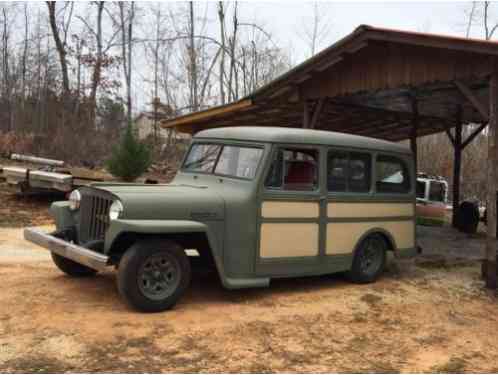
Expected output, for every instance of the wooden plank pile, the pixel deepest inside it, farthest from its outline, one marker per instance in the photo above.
(50, 176)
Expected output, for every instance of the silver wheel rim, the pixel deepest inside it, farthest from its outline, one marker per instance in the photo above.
(159, 276)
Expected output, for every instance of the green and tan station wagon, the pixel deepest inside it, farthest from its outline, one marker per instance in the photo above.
(255, 203)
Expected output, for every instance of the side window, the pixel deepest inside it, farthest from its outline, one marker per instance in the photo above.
(436, 191)
(359, 172)
(293, 169)
(238, 161)
(337, 174)
(392, 175)
(349, 172)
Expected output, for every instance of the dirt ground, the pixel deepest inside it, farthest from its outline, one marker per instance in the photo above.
(21, 211)
(425, 315)
(429, 315)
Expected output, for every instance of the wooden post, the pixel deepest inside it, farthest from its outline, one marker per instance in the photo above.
(457, 165)
(316, 113)
(413, 136)
(306, 115)
(490, 265)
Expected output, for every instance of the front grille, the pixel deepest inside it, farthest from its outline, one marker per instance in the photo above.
(94, 211)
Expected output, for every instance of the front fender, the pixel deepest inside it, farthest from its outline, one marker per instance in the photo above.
(118, 227)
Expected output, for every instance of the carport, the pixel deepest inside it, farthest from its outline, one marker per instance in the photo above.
(389, 84)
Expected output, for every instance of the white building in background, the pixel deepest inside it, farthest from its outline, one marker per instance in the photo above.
(144, 126)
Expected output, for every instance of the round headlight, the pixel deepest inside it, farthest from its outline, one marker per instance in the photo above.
(74, 200)
(115, 210)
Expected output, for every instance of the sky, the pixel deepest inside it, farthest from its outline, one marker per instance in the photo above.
(285, 20)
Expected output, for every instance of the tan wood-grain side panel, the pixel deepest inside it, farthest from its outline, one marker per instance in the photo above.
(343, 237)
(283, 209)
(364, 209)
(280, 240)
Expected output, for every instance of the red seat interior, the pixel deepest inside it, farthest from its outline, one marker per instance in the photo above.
(300, 174)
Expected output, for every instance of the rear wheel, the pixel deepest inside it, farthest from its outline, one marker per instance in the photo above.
(71, 267)
(153, 275)
(369, 260)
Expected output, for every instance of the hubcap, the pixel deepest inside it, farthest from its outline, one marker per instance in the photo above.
(371, 256)
(159, 276)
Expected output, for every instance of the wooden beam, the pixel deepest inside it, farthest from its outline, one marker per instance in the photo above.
(381, 129)
(37, 160)
(316, 112)
(329, 63)
(281, 91)
(490, 262)
(403, 132)
(470, 96)
(306, 115)
(372, 122)
(357, 47)
(471, 137)
(303, 78)
(207, 114)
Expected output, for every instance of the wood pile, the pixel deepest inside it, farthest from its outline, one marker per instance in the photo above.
(48, 175)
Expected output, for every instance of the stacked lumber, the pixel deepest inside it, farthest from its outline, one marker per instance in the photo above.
(51, 177)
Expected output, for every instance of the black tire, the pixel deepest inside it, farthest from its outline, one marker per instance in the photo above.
(468, 217)
(72, 268)
(369, 260)
(153, 275)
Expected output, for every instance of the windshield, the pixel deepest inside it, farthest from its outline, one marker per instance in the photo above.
(225, 160)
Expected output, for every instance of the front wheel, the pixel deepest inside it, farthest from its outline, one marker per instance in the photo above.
(153, 275)
(369, 260)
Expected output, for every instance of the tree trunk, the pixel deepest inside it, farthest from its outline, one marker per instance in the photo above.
(126, 53)
(193, 62)
(97, 68)
(60, 48)
(221, 16)
(130, 54)
(233, 42)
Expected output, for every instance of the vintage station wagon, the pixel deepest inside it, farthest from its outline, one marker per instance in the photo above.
(255, 203)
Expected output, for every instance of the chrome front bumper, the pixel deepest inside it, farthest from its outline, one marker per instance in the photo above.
(79, 254)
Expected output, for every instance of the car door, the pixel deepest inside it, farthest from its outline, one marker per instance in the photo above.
(290, 213)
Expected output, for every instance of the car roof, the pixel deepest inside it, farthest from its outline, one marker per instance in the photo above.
(300, 136)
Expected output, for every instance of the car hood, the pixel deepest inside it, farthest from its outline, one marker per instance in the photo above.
(163, 202)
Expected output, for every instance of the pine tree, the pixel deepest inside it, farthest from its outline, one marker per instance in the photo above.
(130, 158)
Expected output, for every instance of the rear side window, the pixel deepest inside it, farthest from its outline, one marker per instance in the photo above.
(392, 175)
(293, 169)
(436, 191)
(349, 172)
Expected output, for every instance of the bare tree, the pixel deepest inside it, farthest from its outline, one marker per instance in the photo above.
(488, 29)
(61, 42)
(316, 30)
(193, 60)
(127, 17)
(480, 14)
(471, 18)
(221, 17)
(233, 91)
(100, 59)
